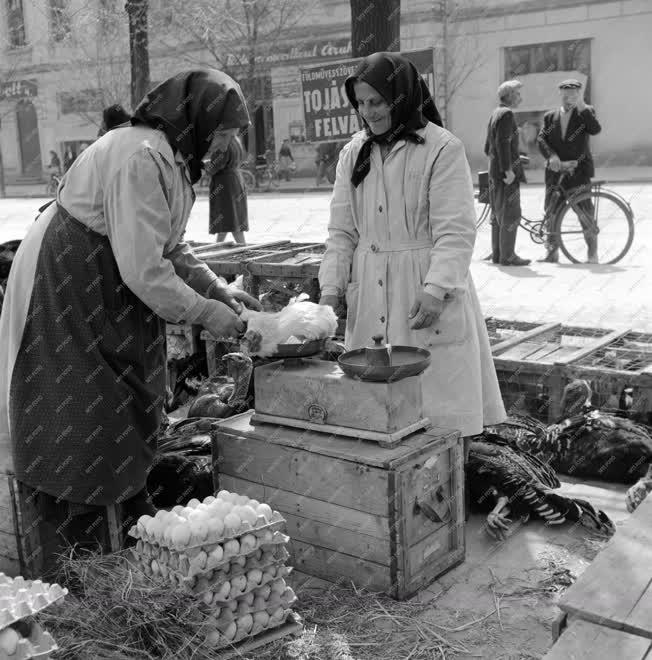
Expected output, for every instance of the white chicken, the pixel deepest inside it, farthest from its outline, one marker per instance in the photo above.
(299, 321)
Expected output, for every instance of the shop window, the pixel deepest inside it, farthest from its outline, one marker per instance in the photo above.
(60, 25)
(546, 57)
(15, 23)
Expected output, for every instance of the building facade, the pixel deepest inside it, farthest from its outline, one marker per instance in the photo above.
(50, 102)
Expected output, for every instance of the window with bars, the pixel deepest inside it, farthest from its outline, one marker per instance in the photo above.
(15, 23)
(60, 24)
(573, 55)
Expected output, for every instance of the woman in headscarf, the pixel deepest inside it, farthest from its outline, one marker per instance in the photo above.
(401, 236)
(227, 201)
(83, 357)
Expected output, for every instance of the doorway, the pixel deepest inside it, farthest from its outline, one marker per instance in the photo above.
(28, 137)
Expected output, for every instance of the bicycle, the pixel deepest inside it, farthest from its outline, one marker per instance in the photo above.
(566, 221)
(267, 176)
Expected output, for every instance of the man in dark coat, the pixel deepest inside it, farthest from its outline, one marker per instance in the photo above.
(564, 137)
(505, 175)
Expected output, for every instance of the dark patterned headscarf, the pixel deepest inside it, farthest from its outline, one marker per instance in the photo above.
(189, 108)
(397, 80)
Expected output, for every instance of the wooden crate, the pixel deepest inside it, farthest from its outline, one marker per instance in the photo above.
(624, 362)
(529, 367)
(501, 331)
(182, 340)
(352, 508)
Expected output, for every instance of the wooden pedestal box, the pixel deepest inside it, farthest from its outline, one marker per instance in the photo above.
(388, 520)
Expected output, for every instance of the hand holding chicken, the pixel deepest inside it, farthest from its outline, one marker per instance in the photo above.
(302, 320)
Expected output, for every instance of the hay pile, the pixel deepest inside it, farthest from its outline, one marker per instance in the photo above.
(115, 611)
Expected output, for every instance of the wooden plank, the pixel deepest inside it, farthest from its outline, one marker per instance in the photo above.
(9, 566)
(6, 456)
(327, 513)
(429, 550)
(243, 248)
(385, 440)
(303, 472)
(339, 567)
(597, 345)
(609, 591)
(345, 448)
(8, 545)
(408, 586)
(587, 641)
(292, 627)
(500, 348)
(6, 506)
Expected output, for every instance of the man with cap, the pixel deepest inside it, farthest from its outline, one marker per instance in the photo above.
(505, 175)
(564, 141)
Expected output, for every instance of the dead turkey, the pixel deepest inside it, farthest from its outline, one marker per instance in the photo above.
(507, 481)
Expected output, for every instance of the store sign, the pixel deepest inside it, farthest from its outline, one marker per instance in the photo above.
(18, 89)
(328, 114)
(306, 51)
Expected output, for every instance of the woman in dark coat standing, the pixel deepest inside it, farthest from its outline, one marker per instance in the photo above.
(228, 197)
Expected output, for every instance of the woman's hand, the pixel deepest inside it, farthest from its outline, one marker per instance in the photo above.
(247, 300)
(234, 298)
(425, 311)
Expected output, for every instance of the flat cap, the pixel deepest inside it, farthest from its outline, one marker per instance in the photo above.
(571, 83)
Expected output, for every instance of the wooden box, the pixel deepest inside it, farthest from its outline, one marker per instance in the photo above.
(355, 512)
(620, 374)
(318, 391)
(182, 340)
(529, 367)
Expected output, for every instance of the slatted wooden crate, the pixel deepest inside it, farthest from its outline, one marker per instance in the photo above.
(529, 367)
(614, 368)
(502, 330)
(352, 508)
(182, 340)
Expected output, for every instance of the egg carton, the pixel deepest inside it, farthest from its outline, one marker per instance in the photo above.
(20, 598)
(231, 611)
(206, 561)
(276, 523)
(232, 567)
(221, 639)
(39, 643)
(221, 596)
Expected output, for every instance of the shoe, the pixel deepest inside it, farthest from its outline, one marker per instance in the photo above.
(490, 257)
(516, 261)
(551, 258)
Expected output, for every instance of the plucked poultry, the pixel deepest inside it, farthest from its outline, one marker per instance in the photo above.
(298, 322)
(587, 442)
(517, 483)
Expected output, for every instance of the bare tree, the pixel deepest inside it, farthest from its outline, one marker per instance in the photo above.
(239, 37)
(375, 26)
(457, 53)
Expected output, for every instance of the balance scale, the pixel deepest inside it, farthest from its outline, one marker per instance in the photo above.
(317, 395)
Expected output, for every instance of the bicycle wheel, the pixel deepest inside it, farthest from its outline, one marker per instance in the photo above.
(611, 223)
(485, 214)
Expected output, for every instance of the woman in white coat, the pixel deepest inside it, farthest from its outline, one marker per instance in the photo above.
(401, 236)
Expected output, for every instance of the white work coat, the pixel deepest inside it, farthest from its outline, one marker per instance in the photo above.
(410, 225)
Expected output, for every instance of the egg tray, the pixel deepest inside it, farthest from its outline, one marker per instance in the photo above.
(220, 616)
(255, 631)
(224, 571)
(282, 572)
(277, 523)
(189, 566)
(20, 598)
(39, 644)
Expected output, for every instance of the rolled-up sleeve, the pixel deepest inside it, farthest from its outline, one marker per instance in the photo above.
(138, 224)
(335, 269)
(452, 221)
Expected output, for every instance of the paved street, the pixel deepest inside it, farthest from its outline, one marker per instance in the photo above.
(601, 296)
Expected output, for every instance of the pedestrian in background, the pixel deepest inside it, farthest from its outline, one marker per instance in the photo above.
(564, 141)
(227, 194)
(69, 157)
(322, 160)
(505, 175)
(285, 160)
(54, 166)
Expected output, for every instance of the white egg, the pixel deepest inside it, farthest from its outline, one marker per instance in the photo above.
(267, 537)
(198, 531)
(9, 639)
(245, 623)
(222, 593)
(238, 584)
(253, 504)
(277, 614)
(201, 560)
(248, 514)
(261, 618)
(248, 543)
(193, 503)
(224, 495)
(241, 500)
(215, 528)
(180, 535)
(240, 560)
(278, 586)
(230, 631)
(259, 603)
(178, 509)
(265, 591)
(231, 548)
(243, 608)
(209, 500)
(161, 514)
(232, 521)
(264, 510)
(249, 599)
(216, 554)
(213, 639)
(141, 525)
(255, 575)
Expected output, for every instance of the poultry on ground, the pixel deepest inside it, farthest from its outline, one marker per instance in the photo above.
(587, 442)
(223, 396)
(298, 322)
(519, 484)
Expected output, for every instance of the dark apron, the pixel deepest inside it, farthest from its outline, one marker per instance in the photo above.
(88, 385)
